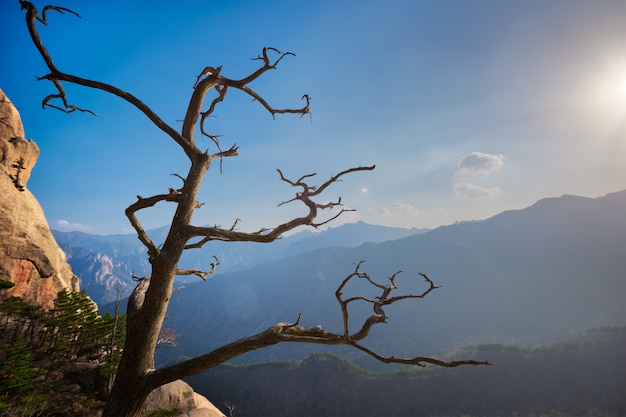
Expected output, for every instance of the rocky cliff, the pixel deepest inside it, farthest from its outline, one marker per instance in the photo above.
(29, 255)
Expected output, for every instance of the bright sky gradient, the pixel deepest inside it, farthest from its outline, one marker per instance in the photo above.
(466, 107)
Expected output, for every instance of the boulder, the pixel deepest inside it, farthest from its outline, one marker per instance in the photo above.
(178, 395)
(29, 255)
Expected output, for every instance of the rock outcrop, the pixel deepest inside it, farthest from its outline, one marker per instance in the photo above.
(178, 395)
(29, 255)
(13, 144)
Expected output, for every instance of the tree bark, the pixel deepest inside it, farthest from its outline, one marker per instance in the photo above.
(144, 324)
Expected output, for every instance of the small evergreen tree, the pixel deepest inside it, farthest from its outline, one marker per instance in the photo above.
(4, 284)
(17, 370)
(18, 166)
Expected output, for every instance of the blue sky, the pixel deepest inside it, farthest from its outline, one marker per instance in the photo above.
(467, 108)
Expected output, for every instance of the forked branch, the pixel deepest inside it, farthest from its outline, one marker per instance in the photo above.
(297, 333)
(210, 78)
(200, 273)
(305, 195)
(57, 77)
(142, 203)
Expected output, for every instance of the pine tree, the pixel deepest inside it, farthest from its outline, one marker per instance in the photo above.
(18, 166)
(4, 284)
(17, 370)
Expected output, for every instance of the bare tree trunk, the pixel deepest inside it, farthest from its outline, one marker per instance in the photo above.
(145, 318)
(136, 376)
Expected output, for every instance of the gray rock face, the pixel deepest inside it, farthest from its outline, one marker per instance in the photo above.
(29, 254)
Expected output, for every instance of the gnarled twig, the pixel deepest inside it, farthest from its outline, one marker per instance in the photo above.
(268, 235)
(199, 273)
(297, 333)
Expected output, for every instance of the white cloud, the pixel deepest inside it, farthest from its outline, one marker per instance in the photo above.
(65, 226)
(478, 163)
(465, 189)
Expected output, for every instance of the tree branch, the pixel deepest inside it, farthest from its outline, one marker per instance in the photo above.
(199, 273)
(296, 333)
(56, 76)
(268, 64)
(213, 79)
(142, 203)
(269, 235)
(377, 304)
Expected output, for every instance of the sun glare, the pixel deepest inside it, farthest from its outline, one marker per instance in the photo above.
(621, 88)
(610, 89)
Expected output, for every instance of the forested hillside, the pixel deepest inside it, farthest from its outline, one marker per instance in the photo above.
(577, 376)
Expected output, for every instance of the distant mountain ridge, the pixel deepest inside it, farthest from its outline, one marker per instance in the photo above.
(521, 277)
(105, 263)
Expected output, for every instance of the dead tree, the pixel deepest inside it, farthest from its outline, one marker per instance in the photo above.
(136, 375)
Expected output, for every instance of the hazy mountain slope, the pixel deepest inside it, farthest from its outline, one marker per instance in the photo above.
(521, 277)
(105, 263)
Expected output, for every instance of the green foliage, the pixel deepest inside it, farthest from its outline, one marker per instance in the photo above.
(4, 284)
(17, 370)
(79, 327)
(18, 166)
(34, 342)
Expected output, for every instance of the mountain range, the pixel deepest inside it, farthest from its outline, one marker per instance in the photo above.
(522, 277)
(105, 263)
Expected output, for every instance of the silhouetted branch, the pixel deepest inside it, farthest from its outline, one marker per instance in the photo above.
(199, 273)
(296, 333)
(382, 300)
(210, 78)
(142, 203)
(56, 77)
(42, 19)
(268, 64)
(269, 235)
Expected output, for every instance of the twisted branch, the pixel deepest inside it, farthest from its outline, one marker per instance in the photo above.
(383, 299)
(199, 273)
(213, 79)
(268, 235)
(296, 333)
(56, 77)
(142, 203)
